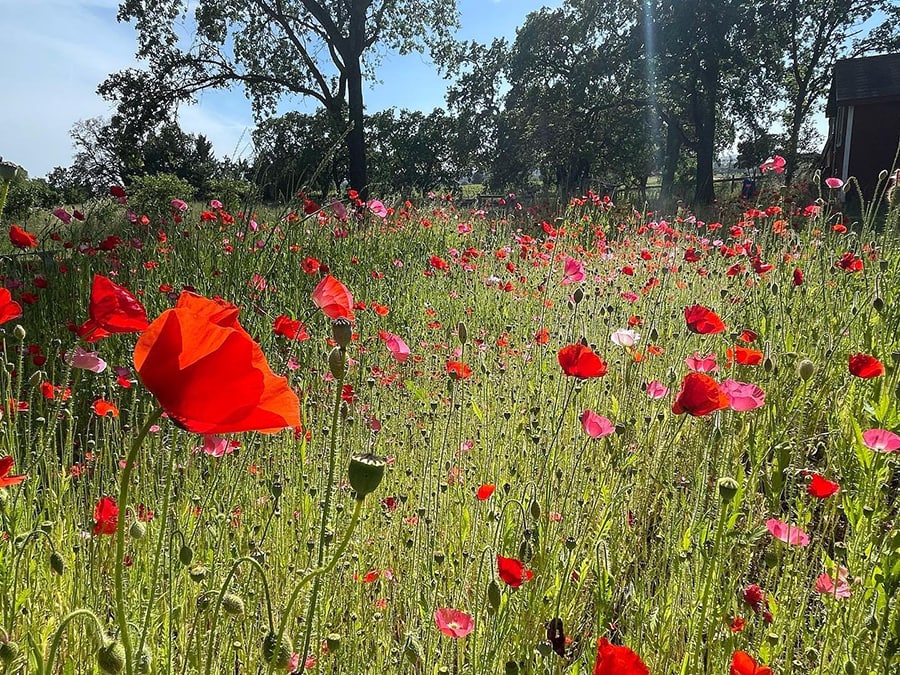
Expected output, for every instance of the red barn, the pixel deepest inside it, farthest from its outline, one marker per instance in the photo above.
(863, 114)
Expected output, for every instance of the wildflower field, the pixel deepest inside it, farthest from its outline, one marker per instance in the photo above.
(360, 437)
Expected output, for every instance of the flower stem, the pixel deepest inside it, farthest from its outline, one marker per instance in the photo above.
(124, 487)
(60, 630)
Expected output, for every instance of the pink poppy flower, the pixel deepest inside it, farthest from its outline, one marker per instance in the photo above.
(743, 396)
(378, 208)
(776, 164)
(881, 440)
(179, 205)
(789, 534)
(834, 183)
(702, 364)
(453, 623)
(396, 346)
(574, 272)
(625, 338)
(81, 358)
(657, 390)
(216, 446)
(215, 204)
(63, 215)
(838, 586)
(594, 425)
(340, 211)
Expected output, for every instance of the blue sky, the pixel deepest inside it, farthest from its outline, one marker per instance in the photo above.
(58, 51)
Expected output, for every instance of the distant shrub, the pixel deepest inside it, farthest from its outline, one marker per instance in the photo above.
(232, 192)
(153, 195)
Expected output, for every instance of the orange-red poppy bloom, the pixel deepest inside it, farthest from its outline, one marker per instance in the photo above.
(745, 356)
(333, 298)
(865, 366)
(6, 465)
(113, 309)
(581, 361)
(617, 660)
(744, 664)
(701, 320)
(9, 308)
(20, 238)
(208, 374)
(700, 395)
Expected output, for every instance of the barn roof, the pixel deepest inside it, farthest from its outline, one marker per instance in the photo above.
(870, 79)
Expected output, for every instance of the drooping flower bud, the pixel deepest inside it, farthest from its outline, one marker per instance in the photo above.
(232, 604)
(111, 657)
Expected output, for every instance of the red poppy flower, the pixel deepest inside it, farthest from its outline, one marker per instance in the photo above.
(512, 571)
(292, 329)
(104, 408)
(485, 491)
(106, 516)
(458, 370)
(617, 660)
(702, 320)
(865, 366)
(333, 298)
(745, 356)
(9, 308)
(581, 361)
(700, 395)
(208, 374)
(744, 664)
(821, 488)
(113, 309)
(6, 465)
(797, 279)
(20, 238)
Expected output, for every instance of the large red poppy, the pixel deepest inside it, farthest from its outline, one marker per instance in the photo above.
(20, 238)
(9, 308)
(333, 298)
(106, 516)
(744, 664)
(581, 361)
(865, 366)
(208, 374)
(704, 321)
(113, 309)
(512, 571)
(617, 660)
(6, 465)
(700, 395)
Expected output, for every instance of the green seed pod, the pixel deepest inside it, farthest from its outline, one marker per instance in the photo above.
(9, 652)
(19, 332)
(365, 473)
(806, 369)
(232, 604)
(111, 657)
(138, 530)
(333, 642)
(275, 653)
(185, 555)
(57, 564)
(337, 364)
(342, 332)
(728, 488)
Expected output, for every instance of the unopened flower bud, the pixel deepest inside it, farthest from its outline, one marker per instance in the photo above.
(578, 295)
(462, 332)
(232, 604)
(185, 555)
(19, 332)
(337, 363)
(9, 652)
(111, 657)
(806, 369)
(137, 530)
(276, 653)
(57, 564)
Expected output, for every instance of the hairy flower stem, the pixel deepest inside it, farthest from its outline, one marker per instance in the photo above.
(61, 629)
(119, 567)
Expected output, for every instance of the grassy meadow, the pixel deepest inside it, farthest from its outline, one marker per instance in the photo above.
(603, 423)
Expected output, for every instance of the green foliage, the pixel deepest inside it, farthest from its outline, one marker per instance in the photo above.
(153, 195)
(232, 192)
(26, 194)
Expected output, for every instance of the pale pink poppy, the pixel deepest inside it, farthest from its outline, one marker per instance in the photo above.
(624, 337)
(215, 204)
(574, 272)
(378, 208)
(838, 586)
(702, 364)
(594, 425)
(396, 346)
(179, 205)
(81, 358)
(743, 396)
(216, 446)
(834, 183)
(657, 390)
(63, 215)
(340, 211)
(881, 440)
(789, 534)
(453, 623)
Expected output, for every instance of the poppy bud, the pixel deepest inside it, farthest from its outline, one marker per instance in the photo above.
(19, 332)
(728, 488)
(768, 365)
(342, 332)
(577, 296)
(333, 642)
(806, 369)
(9, 652)
(276, 652)
(137, 530)
(878, 304)
(57, 565)
(232, 604)
(111, 657)
(535, 509)
(277, 489)
(439, 556)
(850, 667)
(203, 601)
(493, 593)
(544, 648)
(185, 555)
(462, 332)
(511, 668)
(654, 334)
(337, 364)
(365, 473)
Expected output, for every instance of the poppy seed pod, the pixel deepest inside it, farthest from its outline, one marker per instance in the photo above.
(111, 657)
(342, 331)
(365, 473)
(728, 488)
(337, 364)
(198, 573)
(333, 642)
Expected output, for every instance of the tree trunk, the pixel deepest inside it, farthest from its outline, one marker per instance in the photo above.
(670, 161)
(356, 139)
(706, 135)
